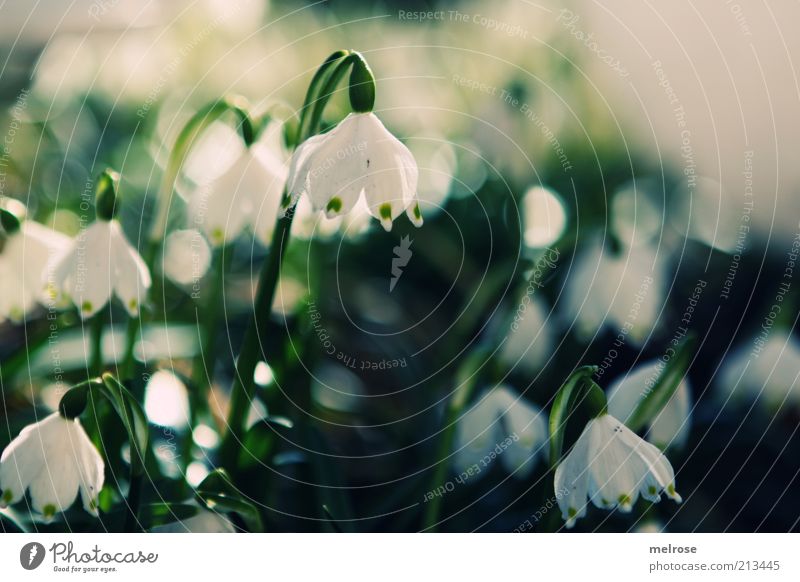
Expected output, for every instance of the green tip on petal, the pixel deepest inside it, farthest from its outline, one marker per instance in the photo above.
(49, 510)
(133, 305)
(217, 236)
(625, 502)
(86, 307)
(672, 493)
(334, 205)
(8, 497)
(385, 213)
(572, 512)
(652, 490)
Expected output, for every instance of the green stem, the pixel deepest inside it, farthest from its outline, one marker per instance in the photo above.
(466, 379)
(186, 139)
(203, 371)
(129, 361)
(133, 501)
(205, 361)
(251, 351)
(443, 448)
(327, 76)
(96, 361)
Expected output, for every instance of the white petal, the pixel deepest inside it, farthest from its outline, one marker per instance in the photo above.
(131, 275)
(20, 463)
(90, 281)
(91, 468)
(657, 463)
(571, 483)
(392, 175)
(476, 433)
(525, 425)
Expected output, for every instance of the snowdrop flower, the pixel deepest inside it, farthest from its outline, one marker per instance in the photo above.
(204, 522)
(53, 459)
(28, 249)
(358, 155)
(186, 256)
(500, 425)
(246, 194)
(101, 262)
(671, 426)
(764, 369)
(611, 466)
(624, 292)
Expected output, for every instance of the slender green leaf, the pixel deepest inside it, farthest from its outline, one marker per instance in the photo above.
(218, 493)
(665, 386)
(133, 418)
(562, 408)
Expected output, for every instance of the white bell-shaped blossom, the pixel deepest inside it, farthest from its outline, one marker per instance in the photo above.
(53, 459)
(23, 264)
(764, 370)
(246, 194)
(358, 155)
(187, 257)
(500, 426)
(101, 262)
(670, 428)
(624, 292)
(611, 466)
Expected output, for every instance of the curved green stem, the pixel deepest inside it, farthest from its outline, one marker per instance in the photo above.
(129, 361)
(320, 89)
(251, 351)
(199, 122)
(466, 380)
(205, 361)
(96, 338)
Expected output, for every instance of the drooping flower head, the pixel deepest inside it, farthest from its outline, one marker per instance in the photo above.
(622, 291)
(26, 252)
(358, 156)
(500, 426)
(611, 466)
(53, 460)
(246, 194)
(101, 262)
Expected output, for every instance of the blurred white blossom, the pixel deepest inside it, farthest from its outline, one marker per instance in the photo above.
(624, 292)
(502, 425)
(763, 370)
(187, 256)
(23, 267)
(671, 426)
